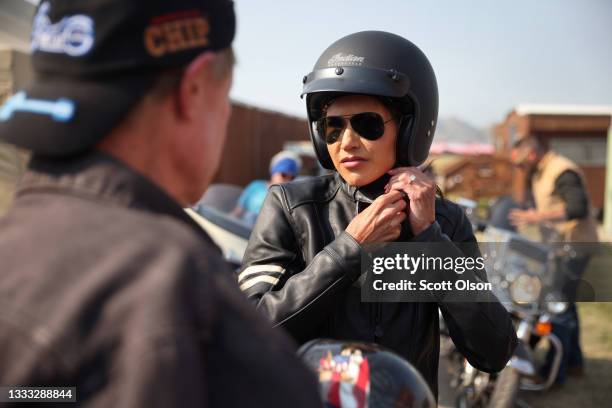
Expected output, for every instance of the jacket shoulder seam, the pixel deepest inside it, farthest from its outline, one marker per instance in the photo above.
(284, 202)
(326, 198)
(331, 196)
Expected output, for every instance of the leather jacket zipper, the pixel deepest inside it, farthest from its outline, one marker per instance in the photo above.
(378, 330)
(375, 308)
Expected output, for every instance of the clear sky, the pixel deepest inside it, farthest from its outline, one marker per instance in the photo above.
(488, 55)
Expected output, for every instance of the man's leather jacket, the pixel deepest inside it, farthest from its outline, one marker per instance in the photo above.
(301, 268)
(108, 286)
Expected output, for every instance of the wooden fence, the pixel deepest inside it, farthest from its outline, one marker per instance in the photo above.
(254, 136)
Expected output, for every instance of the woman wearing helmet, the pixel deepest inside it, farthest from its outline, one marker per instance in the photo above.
(372, 105)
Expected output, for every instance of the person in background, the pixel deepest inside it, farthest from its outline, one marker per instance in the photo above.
(107, 285)
(284, 167)
(562, 211)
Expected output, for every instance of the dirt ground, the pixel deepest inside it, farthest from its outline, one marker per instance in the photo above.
(595, 388)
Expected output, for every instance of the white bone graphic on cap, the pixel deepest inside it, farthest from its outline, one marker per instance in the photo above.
(61, 110)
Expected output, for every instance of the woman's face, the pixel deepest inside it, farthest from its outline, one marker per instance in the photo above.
(358, 160)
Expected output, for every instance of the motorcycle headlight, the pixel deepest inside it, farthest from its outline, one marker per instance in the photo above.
(557, 307)
(525, 289)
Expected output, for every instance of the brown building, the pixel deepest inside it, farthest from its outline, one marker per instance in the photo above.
(577, 132)
(477, 177)
(254, 136)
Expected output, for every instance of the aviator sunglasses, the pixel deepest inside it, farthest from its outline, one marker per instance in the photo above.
(369, 125)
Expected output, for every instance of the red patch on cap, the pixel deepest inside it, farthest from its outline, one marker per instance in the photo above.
(176, 32)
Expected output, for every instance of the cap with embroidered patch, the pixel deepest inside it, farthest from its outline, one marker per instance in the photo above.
(95, 59)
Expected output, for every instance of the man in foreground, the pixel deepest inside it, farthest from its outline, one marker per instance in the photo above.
(106, 284)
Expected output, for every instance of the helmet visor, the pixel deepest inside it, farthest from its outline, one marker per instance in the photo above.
(369, 81)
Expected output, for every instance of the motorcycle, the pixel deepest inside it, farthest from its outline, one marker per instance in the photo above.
(213, 214)
(525, 278)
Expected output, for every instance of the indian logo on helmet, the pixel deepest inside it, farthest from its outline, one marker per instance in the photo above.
(341, 59)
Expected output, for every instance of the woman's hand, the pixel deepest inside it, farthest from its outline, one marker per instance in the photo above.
(381, 221)
(421, 191)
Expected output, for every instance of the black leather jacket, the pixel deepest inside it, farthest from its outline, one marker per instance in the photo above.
(110, 287)
(301, 268)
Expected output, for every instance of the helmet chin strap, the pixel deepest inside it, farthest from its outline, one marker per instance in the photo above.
(403, 140)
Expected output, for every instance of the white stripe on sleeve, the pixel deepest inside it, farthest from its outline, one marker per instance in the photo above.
(259, 279)
(260, 268)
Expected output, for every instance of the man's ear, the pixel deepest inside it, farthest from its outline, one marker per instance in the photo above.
(193, 85)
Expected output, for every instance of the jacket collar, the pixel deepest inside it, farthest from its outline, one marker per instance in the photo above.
(364, 194)
(103, 178)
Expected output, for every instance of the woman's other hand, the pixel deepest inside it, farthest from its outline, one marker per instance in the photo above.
(381, 221)
(421, 191)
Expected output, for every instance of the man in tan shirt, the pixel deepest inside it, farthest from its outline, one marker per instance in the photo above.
(562, 211)
(562, 205)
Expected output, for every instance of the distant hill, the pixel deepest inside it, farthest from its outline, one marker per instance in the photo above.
(455, 130)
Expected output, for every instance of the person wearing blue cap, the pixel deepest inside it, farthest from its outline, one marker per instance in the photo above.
(284, 167)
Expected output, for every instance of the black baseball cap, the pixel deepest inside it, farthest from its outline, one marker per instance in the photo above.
(95, 59)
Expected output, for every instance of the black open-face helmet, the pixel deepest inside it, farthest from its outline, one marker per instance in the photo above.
(355, 374)
(380, 64)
